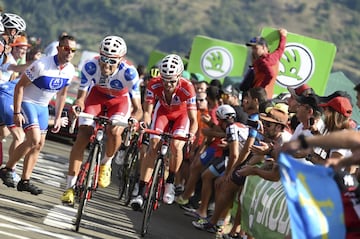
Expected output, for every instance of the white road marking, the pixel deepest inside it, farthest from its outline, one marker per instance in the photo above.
(16, 224)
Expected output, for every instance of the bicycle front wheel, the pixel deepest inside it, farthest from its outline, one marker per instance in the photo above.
(132, 176)
(151, 198)
(85, 194)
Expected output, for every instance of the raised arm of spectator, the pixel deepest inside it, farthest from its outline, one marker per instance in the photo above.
(348, 139)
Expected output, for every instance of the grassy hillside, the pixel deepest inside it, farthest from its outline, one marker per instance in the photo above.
(170, 25)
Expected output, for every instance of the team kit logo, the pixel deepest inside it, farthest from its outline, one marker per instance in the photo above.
(216, 62)
(296, 66)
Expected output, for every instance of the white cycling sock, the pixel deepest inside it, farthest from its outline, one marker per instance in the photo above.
(106, 160)
(70, 181)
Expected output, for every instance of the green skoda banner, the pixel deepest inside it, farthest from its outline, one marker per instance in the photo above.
(264, 209)
(305, 60)
(156, 56)
(216, 59)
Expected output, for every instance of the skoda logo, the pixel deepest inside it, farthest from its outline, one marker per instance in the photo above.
(296, 66)
(216, 62)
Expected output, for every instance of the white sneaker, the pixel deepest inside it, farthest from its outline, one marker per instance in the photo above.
(135, 190)
(169, 193)
(136, 203)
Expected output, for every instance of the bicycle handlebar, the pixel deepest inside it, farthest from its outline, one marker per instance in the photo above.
(124, 123)
(156, 132)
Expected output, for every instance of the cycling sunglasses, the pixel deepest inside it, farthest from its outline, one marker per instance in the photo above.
(68, 48)
(108, 60)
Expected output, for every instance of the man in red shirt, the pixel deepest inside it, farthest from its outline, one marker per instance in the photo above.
(266, 64)
(168, 98)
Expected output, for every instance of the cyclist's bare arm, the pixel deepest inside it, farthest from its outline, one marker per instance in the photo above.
(59, 106)
(192, 114)
(60, 101)
(80, 99)
(148, 108)
(137, 111)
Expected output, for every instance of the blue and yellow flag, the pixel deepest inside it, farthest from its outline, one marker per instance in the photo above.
(313, 199)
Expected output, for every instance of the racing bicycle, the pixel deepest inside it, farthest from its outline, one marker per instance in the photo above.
(129, 170)
(87, 180)
(156, 186)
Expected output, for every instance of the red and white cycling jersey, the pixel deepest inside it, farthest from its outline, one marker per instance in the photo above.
(183, 99)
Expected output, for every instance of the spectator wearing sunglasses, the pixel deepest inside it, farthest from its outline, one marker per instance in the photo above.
(266, 64)
(42, 80)
(108, 83)
(230, 95)
(51, 49)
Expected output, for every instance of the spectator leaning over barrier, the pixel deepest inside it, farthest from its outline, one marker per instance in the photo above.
(229, 184)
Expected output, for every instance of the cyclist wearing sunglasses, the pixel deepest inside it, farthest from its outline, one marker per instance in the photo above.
(107, 81)
(37, 85)
(168, 98)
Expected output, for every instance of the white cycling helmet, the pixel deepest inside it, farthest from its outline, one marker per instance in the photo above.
(171, 66)
(113, 46)
(224, 112)
(13, 21)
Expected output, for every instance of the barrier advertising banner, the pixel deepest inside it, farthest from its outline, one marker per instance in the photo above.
(263, 209)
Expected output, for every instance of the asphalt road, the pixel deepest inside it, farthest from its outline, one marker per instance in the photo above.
(24, 216)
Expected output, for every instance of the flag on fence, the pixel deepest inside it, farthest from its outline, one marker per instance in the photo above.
(313, 199)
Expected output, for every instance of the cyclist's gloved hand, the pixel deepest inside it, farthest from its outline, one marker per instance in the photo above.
(132, 120)
(143, 125)
(191, 137)
(75, 110)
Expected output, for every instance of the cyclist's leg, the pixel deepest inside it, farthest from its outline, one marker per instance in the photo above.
(118, 108)
(180, 127)
(77, 151)
(86, 127)
(159, 121)
(147, 166)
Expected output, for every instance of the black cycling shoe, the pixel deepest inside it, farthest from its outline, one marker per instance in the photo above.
(25, 185)
(6, 175)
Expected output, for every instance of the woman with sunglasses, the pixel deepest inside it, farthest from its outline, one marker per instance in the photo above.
(107, 82)
(168, 98)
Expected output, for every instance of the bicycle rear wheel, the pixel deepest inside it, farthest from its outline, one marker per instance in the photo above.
(85, 194)
(151, 200)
